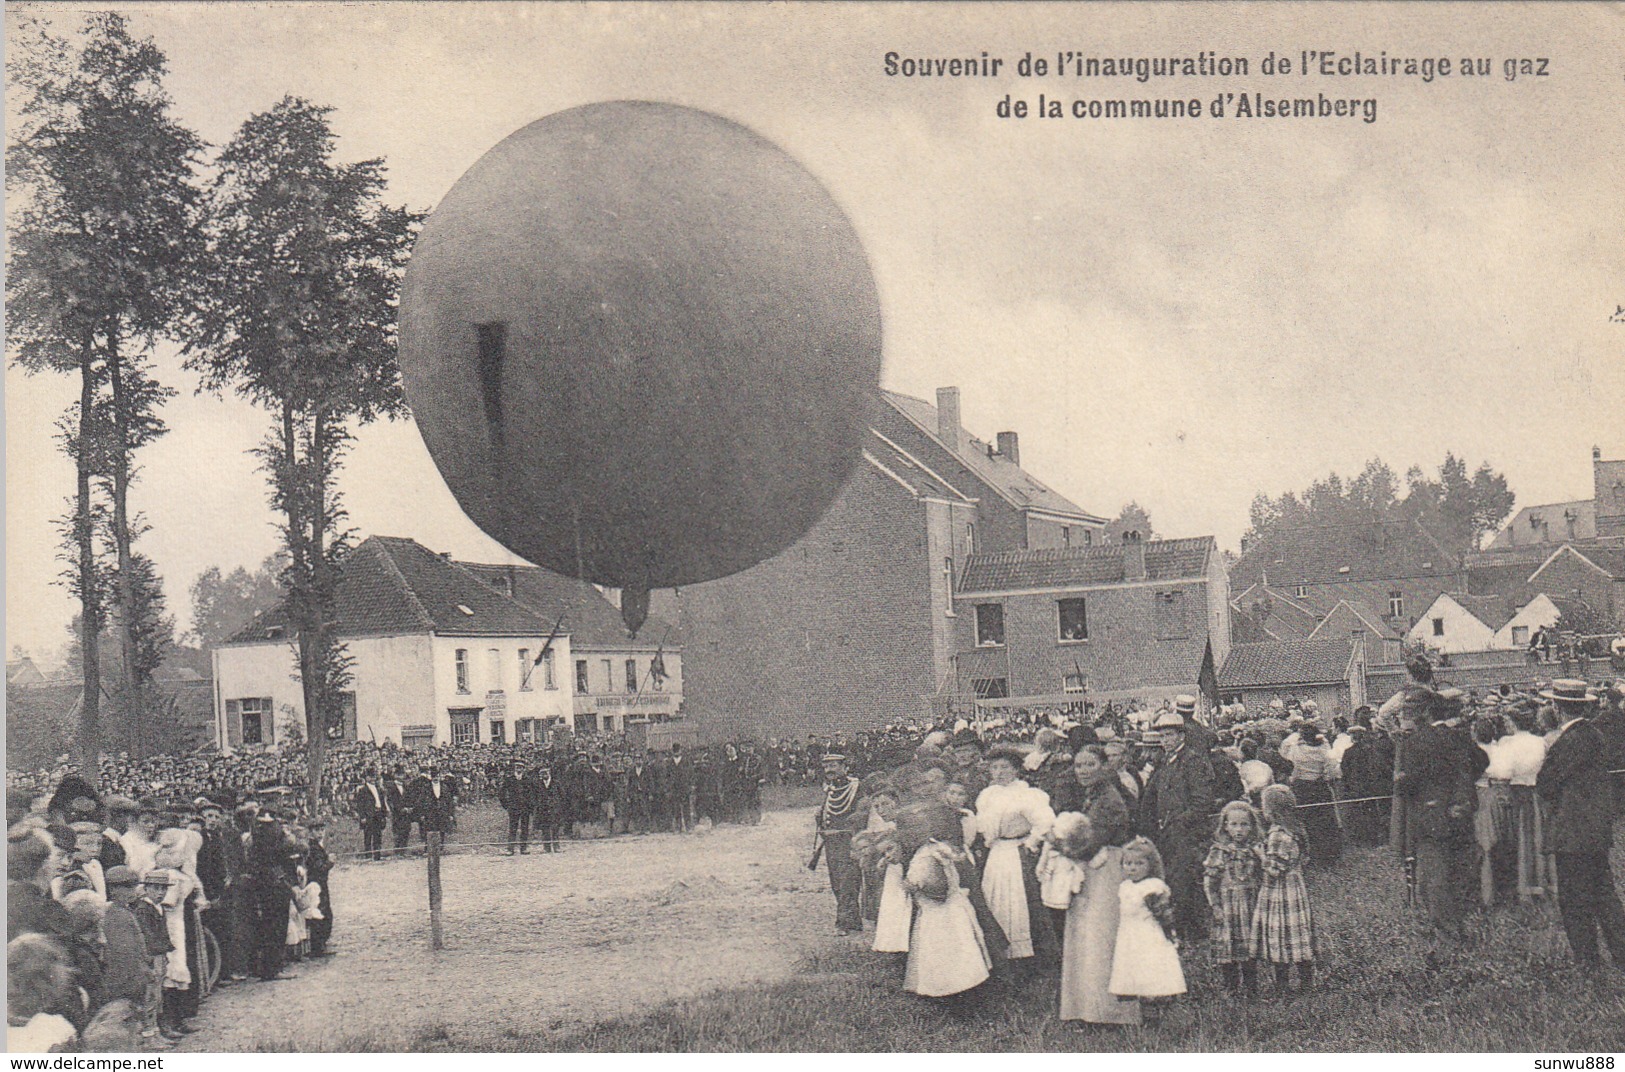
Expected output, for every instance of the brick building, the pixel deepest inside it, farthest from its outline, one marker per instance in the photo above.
(1102, 621)
(1331, 671)
(1588, 571)
(1397, 569)
(855, 625)
(1551, 524)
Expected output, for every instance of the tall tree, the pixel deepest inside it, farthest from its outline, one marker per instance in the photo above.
(299, 317)
(222, 603)
(101, 254)
(1132, 518)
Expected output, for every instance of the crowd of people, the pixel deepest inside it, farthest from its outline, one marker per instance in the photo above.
(1114, 855)
(1110, 847)
(124, 914)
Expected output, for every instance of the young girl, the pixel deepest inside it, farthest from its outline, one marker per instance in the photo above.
(947, 952)
(1145, 963)
(895, 912)
(1232, 874)
(1283, 931)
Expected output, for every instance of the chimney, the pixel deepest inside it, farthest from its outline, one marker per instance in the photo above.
(1244, 542)
(948, 417)
(1596, 454)
(1009, 448)
(1133, 557)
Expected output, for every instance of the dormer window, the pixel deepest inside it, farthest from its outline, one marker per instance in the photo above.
(274, 632)
(1301, 591)
(465, 610)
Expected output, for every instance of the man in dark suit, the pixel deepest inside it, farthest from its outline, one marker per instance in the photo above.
(372, 811)
(640, 794)
(1176, 812)
(680, 789)
(751, 775)
(1575, 784)
(514, 795)
(547, 799)
(1436, 769)
(400, 812)
(432, 799)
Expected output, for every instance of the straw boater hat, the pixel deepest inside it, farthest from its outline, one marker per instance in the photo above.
(1185, 706)
(1570, 691)
(1169, 720)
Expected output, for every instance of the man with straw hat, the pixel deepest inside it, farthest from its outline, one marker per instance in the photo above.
(1574, 783)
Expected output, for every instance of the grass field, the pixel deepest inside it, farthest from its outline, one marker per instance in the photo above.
(1514, 991)
(721, 942)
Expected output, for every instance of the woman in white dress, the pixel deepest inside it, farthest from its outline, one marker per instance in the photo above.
(1011, 816)
(947, 952)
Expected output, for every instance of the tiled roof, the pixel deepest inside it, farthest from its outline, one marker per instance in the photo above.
(902, 466)
(1492, 610)
(1336, 554)
(1535, 524)
(1013, 483)
(1083, 567)
(392, 586)
(1287, 617)
(1287, 662)
(1357, 611)
(590, 619)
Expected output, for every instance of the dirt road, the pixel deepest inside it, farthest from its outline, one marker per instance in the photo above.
(605, 928)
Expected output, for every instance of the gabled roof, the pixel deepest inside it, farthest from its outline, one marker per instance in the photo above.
(1288, 617)
(920, 479)
(1492, 610)
(1602, 557)
(1082, 567)
(392, 586)
(1323, 661)
(1333, 554)
(1548, 524)
(1010, 482)
(1361, 613)
(590, 620)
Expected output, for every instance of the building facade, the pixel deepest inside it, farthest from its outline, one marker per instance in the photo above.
(1096, 622)
(438, 657)
(1331, 671)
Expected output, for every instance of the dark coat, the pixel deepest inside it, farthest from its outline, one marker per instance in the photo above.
(1179, 799)
(366, 808)
(125, 963)
(513, 793)
(1437, 769)
(547, 798)
(1226, 779)
(432, 812)
(1574, 783)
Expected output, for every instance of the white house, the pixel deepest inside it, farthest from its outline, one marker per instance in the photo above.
(1457, 623)
(616, 679)
(1542, 612)
(439, 657)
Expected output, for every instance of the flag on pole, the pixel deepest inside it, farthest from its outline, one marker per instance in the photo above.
(657, 668)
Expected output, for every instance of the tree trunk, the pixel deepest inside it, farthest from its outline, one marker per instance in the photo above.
(130, 685)
(87, 745)
(321, 608)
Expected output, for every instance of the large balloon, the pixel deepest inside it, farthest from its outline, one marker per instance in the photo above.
(642, 344)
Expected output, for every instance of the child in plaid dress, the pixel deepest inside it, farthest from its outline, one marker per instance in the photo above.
(1283, 931)
(1232, 874)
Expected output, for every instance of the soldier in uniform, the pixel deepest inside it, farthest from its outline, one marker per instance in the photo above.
(1176, 812)
(837, 821)
(1436, 770)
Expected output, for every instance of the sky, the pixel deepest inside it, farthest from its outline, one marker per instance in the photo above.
(1183, 313)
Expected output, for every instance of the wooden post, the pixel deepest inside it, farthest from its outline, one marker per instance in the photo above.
(436, 938)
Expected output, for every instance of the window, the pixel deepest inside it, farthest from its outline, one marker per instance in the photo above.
(970, 537)
(548, 680)
(465, 725)
(1170, 610)
(1074, 616)
(581, 677)
(526, 669)
(1438, 627)
(608, 666)
(948, 582)
(499, 734)
(347, 728)
(990, 688)
(1396, 604)
(462, 670)
(1088, 537)
(493, 665)
(631, 675)
(1520, 636)
(1301, 591)
(989, 624)
(1066, 535)
(1074, 683)
(255, 713)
